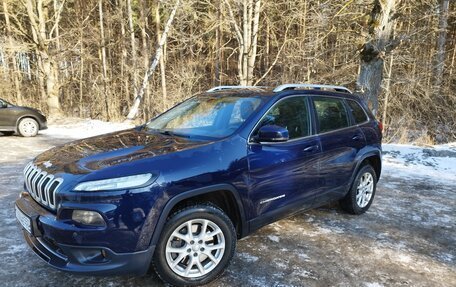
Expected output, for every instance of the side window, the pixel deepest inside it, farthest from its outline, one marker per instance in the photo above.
(289, 113)
(331, 114)
(357, 111)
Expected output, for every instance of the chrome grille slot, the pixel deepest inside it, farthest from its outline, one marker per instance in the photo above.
(41, 185)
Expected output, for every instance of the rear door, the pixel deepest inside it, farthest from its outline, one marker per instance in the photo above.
(341, 141)
(283, 177)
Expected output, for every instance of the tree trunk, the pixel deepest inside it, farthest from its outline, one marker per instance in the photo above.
(247, 38)
(441, 43)
(144, 49)
(133, 47)
(103, 60)
(218, 46)
(254, 42)
(380, 43)
(123, 56)
(388, 91)
(154, 62)
(16, 72)
(162, 61)
(38, 17)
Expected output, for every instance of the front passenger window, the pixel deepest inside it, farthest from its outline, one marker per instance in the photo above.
(290, 113)
(331, 114)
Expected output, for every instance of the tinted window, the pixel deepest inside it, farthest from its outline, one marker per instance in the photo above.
(358, 113)
(331, 114)
(289, 113)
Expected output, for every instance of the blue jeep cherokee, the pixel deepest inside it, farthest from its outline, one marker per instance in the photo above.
(177, 192)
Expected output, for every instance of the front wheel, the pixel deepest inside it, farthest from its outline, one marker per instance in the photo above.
(360, 197)
(28, 127)
(195, 247)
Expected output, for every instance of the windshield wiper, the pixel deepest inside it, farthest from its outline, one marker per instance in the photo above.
(170, 133)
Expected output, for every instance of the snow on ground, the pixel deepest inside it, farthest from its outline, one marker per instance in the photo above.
(437, 163)
(81, 128)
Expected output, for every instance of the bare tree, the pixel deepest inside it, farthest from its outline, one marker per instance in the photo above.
(133, 46)
(103, 59)
(15, 75)
(162, 60)
(247, 38)
(42, 37)
(379, 43)
(88, 61)
(441, 43)
(154, 62)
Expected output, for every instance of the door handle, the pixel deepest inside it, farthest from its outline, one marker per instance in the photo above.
(356, 137)
(311, 148)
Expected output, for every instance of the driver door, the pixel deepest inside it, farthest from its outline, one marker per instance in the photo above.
(284, 176)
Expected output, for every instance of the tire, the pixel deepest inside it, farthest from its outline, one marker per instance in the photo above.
(361, 194)
(28, 127)
(194, 247)
(7, 133)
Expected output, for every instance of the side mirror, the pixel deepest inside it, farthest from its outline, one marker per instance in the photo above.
(272, 133)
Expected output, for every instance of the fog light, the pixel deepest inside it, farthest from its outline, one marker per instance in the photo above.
(87, 217)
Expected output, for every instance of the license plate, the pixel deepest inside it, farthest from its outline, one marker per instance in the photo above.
(24, 220)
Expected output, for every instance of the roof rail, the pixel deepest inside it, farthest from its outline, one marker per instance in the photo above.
(221, 88)
(311, 86)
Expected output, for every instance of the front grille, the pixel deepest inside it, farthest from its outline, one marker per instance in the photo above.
(41, 185)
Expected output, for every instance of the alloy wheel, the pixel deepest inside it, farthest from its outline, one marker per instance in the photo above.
(365, 190)
(195, 248)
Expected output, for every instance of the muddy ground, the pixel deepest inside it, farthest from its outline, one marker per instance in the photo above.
(407, 238)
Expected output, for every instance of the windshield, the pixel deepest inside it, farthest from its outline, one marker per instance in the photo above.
(206, 116)
(2, 100)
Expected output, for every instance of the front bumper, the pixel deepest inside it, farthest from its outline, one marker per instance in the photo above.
(87, 260)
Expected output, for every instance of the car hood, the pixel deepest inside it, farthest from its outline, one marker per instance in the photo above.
(96, 153)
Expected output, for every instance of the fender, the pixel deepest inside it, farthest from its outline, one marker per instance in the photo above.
(370, 153)
(195, 192)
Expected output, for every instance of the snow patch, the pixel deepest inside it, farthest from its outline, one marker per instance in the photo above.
(248, 257)
(13, 249)
(76, 128)
(274, 238)
(437, 163)
(304, 257)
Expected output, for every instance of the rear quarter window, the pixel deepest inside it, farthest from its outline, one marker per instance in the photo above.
(359, 115)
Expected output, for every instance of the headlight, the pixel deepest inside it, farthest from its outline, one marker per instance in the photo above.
(115, 183)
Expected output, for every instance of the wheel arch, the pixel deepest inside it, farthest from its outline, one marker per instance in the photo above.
(376, 162)
(372, 157)
(224, 196)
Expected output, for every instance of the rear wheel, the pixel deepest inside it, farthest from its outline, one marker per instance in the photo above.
(28, 127)
(195, 247)
(360, 197)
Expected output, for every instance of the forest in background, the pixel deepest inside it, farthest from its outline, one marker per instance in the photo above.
(88, 58)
